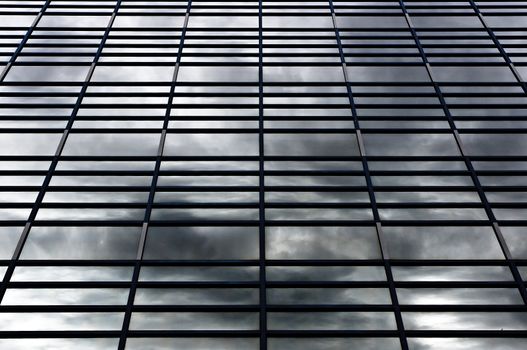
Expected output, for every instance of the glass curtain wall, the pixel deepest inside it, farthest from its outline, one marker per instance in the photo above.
(263, 175)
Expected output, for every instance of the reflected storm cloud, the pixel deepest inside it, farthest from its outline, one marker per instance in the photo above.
(263, 175)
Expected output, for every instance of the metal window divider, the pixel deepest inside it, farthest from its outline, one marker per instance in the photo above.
(261, 189)
(401, 332)
(22, 43)
(481, 193)
(125, 331)
(498, 45)
(54, 161)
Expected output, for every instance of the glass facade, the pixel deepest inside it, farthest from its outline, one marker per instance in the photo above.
(263, 175)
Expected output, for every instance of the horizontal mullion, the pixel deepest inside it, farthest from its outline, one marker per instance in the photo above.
(269, 284)
(270, 333)
(256, 158)
(266, 172)
(255, 84)
(265, 94)
(253, 29)
(256, 307)
(255, 223)
(177, 36)
(328, 188)
(267, 130)
(282, 118)
(269, 262)
(269, 105)
(269, 205)
(408, 333)
(286, 45)
(289, 63)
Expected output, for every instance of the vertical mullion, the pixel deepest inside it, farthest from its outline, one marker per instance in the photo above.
(498, 45)
(153, 187)
(371, 193)
(56, 157)
(261, 196)
(468, 163)
(20, 46)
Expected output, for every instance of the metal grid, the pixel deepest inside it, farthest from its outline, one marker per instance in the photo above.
(263, 174)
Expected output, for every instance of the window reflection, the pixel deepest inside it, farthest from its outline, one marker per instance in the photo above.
(81, 243)
(442, 243)
(202, 243)
(341, 343)
(322, 243)
(238, 161)
(192, 343)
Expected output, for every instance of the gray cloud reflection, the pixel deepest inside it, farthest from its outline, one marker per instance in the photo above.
(282, 242)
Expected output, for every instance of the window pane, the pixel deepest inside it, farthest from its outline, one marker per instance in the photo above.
(194, 321)
(211, 145)
(331, 343)
(410, 145)
(442, 243)
(202, 243)
(322, 243)
(81, 243)
(191, 343)
(311, 145)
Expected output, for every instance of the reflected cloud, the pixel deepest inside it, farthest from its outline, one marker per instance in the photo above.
(305, 95)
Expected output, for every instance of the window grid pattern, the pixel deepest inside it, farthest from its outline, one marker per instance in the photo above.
(263, 174)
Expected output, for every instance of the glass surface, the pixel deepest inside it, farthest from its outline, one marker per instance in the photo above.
(297, 21)
(192, 296)
(442, 243)
(452, 273)
(515, 238)
(74, 21)
(334, 343)
(65, 296)
(29, 144)
(459, 296)
(62, 344)
(218, 74)
(202, 243)
(122, 21)
(131, 74)
(325, 273)
(72, 273)
(81, 243)
(112, 145)
(60, 321)
(311, 145)
(211, 145)
(410, 145)
(194, 321)
(465, 321)
(322, 243)
(9, 237)
(327, 296)
(345, 22)
(465, 343)
(189, 273)
(387, 74)
(291, 74)
(191, 343)
(207, 168)
(495, 144)
(446, 22)
(331, 321)
(48, 73)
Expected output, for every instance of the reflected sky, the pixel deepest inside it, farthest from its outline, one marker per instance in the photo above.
(202, 145)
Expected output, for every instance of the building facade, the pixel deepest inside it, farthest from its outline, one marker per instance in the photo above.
(263, 175)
